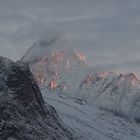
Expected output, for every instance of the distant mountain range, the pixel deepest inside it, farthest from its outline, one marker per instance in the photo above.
(59, 68)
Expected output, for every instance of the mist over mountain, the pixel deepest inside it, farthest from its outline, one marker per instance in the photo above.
(52, 61)
(60, 68)
(106, 31)
(69, 70)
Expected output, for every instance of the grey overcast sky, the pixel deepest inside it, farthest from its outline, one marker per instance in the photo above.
(107, 31)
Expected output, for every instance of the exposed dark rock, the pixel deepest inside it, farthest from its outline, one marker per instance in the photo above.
(23, 112)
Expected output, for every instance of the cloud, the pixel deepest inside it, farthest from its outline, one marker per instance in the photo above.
(107, 31)
(122, 67)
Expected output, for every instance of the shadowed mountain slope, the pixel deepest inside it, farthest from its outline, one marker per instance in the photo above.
(23, 112)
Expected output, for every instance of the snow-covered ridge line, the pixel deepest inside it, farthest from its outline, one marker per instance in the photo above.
(119, 93)
(58, 67)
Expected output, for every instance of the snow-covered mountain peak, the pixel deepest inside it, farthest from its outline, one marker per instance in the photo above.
(49, 59)
(128, 78)
(47, 47)
(80, 55)
(119, 93)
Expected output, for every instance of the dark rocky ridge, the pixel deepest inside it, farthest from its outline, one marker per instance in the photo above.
(23, 112)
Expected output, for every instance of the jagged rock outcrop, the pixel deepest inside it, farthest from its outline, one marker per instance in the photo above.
(23, 112)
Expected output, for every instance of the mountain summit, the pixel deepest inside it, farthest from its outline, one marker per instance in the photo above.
(51, 59)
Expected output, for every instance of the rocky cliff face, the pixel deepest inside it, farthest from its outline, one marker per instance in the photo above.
(23, 112)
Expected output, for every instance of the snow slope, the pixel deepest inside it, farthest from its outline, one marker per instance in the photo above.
(58, 67)
(90, 122)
